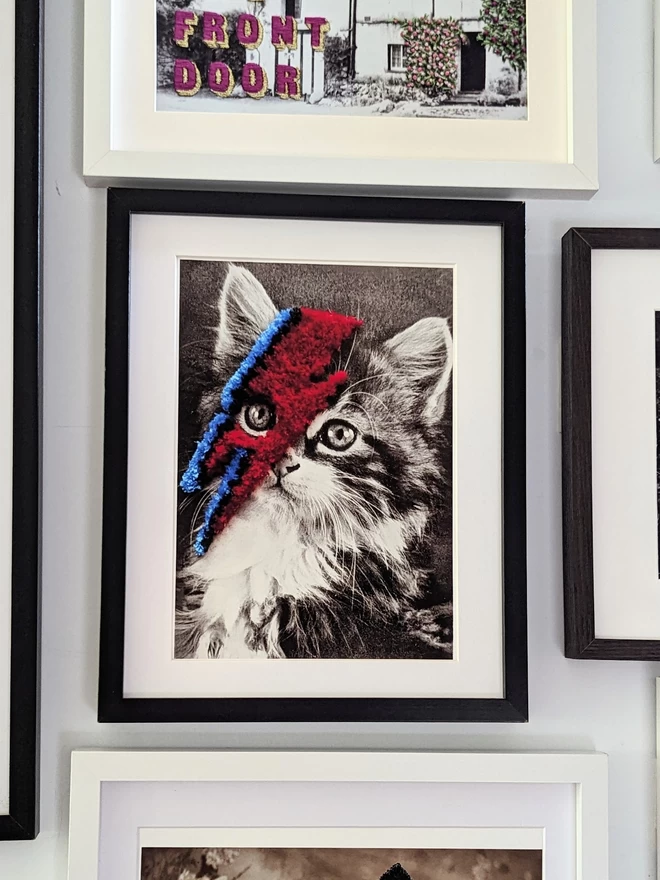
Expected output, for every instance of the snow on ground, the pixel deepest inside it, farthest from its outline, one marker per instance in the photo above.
(208, 103)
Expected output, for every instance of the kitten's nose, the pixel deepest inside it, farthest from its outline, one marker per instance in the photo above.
(286, 465)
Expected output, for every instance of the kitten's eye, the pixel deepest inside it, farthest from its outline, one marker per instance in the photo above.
(258, 416)
(338, 436)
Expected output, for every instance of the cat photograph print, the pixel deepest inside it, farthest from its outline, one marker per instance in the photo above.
(315, 459)
(314, 481)
(412, 58)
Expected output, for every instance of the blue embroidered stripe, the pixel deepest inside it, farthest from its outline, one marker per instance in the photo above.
(231, 475)
(191, 480)
(259, 349)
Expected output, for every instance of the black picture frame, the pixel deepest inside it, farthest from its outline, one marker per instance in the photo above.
(510, 216)
(579, 588)
(21, 820)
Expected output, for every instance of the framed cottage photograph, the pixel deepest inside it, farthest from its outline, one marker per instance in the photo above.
(611, 433)
(287, 815)
(314, 460)
(452, 94)
(20, 284)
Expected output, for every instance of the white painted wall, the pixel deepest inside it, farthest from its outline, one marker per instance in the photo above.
(574, 705)
(336, 11)
(412, 8)
(385, 9)
(371, 56)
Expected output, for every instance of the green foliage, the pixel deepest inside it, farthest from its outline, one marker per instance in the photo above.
(505, 30)
(506, 84)
(165, 7)
(337, 56)
(197, 51)
(432, 45)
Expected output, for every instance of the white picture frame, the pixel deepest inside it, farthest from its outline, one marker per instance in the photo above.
(657, 782)
(99, 828)
(556, 154)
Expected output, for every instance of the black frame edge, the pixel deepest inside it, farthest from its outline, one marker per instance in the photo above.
(21, 822)
(115, 458)
(577, 518)
(576, 444)
(514, 500)
(113, 706)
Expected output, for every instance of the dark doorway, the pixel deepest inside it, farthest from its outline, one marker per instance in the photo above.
(292, 7)
(473, 64)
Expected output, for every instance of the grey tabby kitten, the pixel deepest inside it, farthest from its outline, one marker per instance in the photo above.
(333, 555)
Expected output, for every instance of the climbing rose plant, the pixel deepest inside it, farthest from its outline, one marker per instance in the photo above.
(505, 30)
(432, 44)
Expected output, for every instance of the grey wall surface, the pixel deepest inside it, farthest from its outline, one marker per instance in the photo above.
(574, 705)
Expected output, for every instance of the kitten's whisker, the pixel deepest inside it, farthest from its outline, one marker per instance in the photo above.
(332, 541)
(339, 530)
(362, 381)
(352, 494)
(374, 484)
(357, 503)
(324, 527)
(370, 394)
(375, 607)
(202, 344)
(206, 495)
(187, 501)
(366, 512)
(188, 380)
(348, 359)
(353, 578)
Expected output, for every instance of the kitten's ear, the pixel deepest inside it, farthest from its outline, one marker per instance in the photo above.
(424, 352)
(245, 312)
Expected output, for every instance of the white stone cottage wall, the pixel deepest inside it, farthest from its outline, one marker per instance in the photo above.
(311, 63)
(376, 31)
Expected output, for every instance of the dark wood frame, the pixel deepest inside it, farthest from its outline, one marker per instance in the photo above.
(21, 822)
(579, 617)
(510, 216)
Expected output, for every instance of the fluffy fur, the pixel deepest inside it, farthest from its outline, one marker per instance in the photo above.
(332, 556)
(289, 374)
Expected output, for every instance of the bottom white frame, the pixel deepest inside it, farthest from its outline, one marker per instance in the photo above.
(657, 780)
(95, 775)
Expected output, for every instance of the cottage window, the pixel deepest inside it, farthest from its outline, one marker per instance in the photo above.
(293, 7)
(396, 56)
